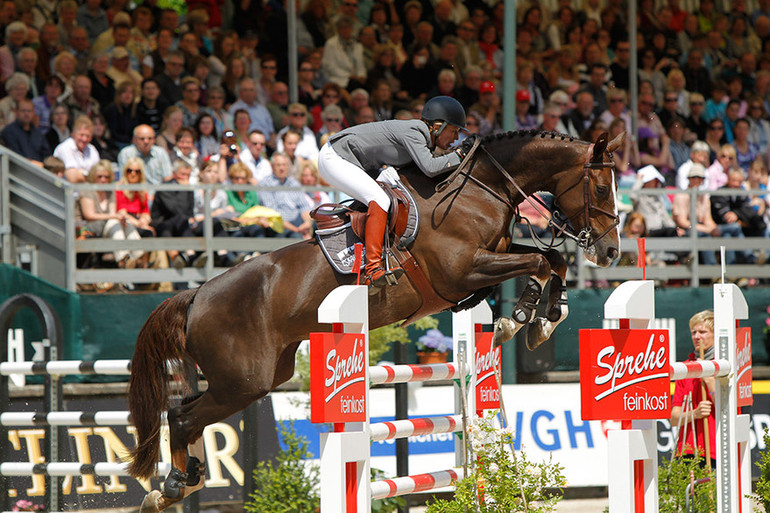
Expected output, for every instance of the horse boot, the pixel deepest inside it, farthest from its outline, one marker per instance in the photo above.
(375, 273)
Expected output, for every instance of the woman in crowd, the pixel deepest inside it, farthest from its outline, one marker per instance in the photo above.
(207, 140)
(241, 123)
(102, 86)
(102, 141)
(236, 70)
(225, 48)
(308, 94)
(64, 66)
(17, 87)
(223, 120)
(331, 94)
(46, 101)
(291, 139)
(172, 122)
(745, 151)
(189, 104)
(121, 115)
(60, 126)
(309, 177)
(384, 68)
(134, 204)
(97, 214)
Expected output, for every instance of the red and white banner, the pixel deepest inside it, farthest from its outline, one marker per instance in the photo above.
(338, 377)
(487, 360)
(743, 381)
(624, 374)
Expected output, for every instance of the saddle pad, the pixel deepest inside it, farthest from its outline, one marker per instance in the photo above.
(338, 243)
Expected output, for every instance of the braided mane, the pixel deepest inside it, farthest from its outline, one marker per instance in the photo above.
(531, 134)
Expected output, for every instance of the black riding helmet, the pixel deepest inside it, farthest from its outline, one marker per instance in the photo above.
(446, 109)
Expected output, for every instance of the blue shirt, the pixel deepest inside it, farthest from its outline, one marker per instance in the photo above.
(27, 143)
(260, 117)
(290, 204)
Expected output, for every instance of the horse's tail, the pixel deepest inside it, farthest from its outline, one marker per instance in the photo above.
(161, 339)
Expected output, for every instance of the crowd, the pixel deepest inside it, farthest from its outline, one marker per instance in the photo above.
(173, 92)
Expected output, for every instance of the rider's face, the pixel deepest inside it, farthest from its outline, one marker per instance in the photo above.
(447, 137)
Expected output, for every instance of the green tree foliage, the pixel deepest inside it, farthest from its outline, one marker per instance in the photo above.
(673, 479)
(762, 488)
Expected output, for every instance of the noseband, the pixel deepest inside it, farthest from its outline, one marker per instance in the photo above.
(584, 238)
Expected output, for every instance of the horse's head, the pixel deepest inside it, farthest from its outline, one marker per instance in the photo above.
(588, 201)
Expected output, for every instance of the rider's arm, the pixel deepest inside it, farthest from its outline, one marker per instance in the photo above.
(432, 165)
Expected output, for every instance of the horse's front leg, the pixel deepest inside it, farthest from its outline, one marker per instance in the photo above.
(490, 268)
(541, 328)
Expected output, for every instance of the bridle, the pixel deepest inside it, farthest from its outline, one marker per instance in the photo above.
(584, 238)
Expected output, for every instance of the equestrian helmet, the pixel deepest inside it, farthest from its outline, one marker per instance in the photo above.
(444, 108)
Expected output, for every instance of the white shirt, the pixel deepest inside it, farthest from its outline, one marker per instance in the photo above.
(307, 147)
(260, 170)
(68, 152)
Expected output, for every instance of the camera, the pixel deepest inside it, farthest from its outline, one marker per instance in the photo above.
(231, 141)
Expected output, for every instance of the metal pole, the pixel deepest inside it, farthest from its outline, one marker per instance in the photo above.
(633, 73)
(509, 66)
(291, 28)
(402, 412)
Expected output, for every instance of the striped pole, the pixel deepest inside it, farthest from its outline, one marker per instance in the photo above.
(699, 369)
(64, 367)
(415, 427)
(65, 418)
(71, 469)
(413, 484)
(408, 373)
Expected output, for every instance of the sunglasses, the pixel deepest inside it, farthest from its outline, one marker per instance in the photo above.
(131, 171)
(297, 114)
(333, 120)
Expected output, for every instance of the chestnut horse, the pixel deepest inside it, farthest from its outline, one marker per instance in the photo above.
(243, 327)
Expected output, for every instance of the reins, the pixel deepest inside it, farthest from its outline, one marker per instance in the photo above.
(582, 239)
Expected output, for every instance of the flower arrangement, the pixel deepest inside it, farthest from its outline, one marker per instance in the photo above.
(24, 505)
(434, 341)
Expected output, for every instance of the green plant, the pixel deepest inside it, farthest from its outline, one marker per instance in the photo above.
(380, 342)
(673, 479)
(500, 481)
(290, 485)
(762, 489)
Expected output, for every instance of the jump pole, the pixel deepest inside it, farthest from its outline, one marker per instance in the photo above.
(345, 452)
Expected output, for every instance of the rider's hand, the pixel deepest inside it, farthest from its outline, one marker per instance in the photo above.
(466, 145)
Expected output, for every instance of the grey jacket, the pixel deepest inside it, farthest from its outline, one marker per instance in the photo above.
(391, 143)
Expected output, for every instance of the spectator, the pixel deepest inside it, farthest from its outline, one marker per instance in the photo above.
(383, 106)
(670, 107)
(141, 40)
(620, 65)
(117, 35)
(54, 166)
(223, 120)
(253, 157)
(309, 177)
(563, 72)
(97, 213)
(332, 121)
(121, 115)
(745, 151)
(680, 152)
(697, 126)
(191, 93)
(172, 214)
(81, 103)
(44, 103)
(92, 18)
(489, 44)
(242, 122)
(308, 94)
(225, 48)
(120, 71)
(294, 206)
(134, 205)
(650, 70)
(737, 208)
(157, 164)
(289, 141)
(594, 131)
(170, 78)
(23, 137)
(27, 64)
(235, 71)
(184, 149)
(172, 122)
(15, 35)
(717, 103)
(675, 85)
(59, 130)
(330, 95)
(617, 107)
(716, 175)
(468, 52)
(207, 138)
(343, 56)
(64, 66)
(307, 147)
(696, 75)
(49, 47)
(551, 118)
(102, 86)
(17, 87)
(759, 126)
(155, 63)
(278, 107)
(468, 92)
(102, 140)
(579, 119)
(704, 224)
(241, 200)
(652, 207)
(365, 115)
(260, 117)
(77, 152)
(699, 153)
(758, 180)
(596, 85)
(151, 105)
(267, 78)
(418, 76)
(384, 68)
(396, 42)
(358, 98)
(524, 120)
(693, 445)
(490, 109)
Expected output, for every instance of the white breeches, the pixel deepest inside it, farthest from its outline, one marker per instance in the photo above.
(113, 229)
(349, 178)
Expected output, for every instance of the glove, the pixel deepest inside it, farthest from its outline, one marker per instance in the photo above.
(466, 145)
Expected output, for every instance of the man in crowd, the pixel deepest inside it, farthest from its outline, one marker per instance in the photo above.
(293, 206)
(25, 138)
(77, 152)
(157, 165)
(260, 117)
(80, 101)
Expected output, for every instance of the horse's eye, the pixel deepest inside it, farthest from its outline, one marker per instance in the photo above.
(602, 191)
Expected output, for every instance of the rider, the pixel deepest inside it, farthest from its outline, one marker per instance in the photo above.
(353, 158)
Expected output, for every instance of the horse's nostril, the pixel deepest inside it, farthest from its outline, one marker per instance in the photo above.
(612, 253)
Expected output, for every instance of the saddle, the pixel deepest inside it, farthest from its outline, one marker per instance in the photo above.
(342, 225)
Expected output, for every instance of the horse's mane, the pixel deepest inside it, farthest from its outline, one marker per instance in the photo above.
(533, 133)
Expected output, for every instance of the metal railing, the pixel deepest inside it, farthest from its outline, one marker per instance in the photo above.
(37, 209)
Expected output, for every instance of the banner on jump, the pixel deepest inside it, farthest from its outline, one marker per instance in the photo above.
(487, 360)
(338, 377)
(745, 396)
(624, 374)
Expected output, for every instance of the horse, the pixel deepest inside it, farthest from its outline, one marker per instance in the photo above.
(243, 327)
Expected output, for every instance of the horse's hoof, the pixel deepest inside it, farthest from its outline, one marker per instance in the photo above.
(539, 331)
(505, 329)
(150, 502)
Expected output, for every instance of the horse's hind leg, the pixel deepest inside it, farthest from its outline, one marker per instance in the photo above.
(186, 424)
(541, 328)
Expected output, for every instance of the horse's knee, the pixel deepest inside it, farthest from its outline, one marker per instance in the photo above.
(542, 268)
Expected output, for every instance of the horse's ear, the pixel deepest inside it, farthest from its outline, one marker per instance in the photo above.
(617, 142)
(600, 146)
